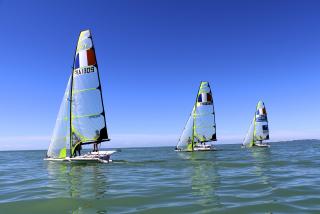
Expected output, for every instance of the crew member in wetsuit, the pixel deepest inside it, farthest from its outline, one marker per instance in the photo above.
(95, 145)
(78, 149)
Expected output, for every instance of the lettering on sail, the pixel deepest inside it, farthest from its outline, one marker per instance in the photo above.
(84, 70)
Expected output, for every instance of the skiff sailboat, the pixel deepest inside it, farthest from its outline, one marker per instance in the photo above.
(81, 118)
(259, 130)
(200, 129)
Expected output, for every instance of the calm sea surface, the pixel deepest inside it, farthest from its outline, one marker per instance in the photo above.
(282, 179)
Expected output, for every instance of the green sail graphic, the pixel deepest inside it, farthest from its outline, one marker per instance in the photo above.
(259, 129)
(200, 127)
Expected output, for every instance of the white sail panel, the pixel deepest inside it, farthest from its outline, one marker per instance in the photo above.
(60, 137)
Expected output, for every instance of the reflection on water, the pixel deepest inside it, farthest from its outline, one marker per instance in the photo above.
(78, 181)
(282, 179)
(260, 157)
(205, 178)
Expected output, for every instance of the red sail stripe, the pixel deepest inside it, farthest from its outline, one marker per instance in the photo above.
(91, 57)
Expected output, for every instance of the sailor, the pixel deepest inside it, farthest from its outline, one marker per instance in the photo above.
(78, 149)
(77, 144)
(204, 139)
(189, 140)
(95, 145)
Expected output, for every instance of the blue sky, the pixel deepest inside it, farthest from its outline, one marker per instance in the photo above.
(152, 56)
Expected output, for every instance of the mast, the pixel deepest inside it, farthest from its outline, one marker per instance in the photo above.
(70, 115)
(70, 106)
(254, 127)
(193, 115)
(192, 141)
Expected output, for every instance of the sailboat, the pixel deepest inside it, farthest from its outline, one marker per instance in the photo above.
(200, 129)
(81, 119)
(259, 130)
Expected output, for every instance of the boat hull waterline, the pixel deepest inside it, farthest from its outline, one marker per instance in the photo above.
(198, 149)
(258, 146)
(101, 157)
(262, 145)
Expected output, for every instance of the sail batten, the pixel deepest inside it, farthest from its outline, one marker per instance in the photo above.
(200, 127)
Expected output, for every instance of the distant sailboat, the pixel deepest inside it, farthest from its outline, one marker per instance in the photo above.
(81, 118)
(200, 129)
(259, 130)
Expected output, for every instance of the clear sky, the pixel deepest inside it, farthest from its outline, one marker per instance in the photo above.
(152, 55)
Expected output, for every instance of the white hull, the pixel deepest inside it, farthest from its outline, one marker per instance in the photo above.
(98, 157)
(262, 145)
(198, 149)
(257, 145)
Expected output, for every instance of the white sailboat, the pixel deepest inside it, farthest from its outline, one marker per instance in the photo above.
(81, 118)
(259, 130)
(200, 129)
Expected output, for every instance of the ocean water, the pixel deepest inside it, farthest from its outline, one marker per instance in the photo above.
(282, 179)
